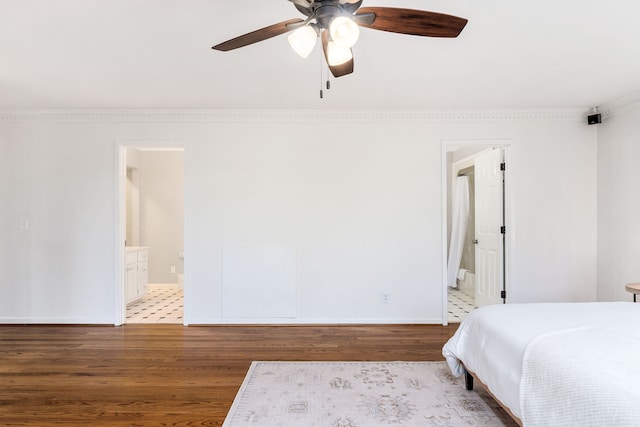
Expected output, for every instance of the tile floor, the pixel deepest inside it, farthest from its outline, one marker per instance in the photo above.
(460, 304)
(162, 304)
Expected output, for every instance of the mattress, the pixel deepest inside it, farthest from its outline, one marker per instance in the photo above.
(492, 340)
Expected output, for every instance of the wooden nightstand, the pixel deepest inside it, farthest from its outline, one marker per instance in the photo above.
(634, 288)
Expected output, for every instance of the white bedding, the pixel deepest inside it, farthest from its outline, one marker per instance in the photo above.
(581, 377)
(492, 340)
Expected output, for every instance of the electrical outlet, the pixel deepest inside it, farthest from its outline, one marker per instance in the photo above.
(384, 298)
(173, 269)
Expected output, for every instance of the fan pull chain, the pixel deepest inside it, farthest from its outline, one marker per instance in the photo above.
(321, 78)
(322, 71)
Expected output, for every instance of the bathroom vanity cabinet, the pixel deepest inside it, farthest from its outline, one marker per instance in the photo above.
(137, 273)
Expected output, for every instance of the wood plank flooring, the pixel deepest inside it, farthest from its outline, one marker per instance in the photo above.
(170, 375)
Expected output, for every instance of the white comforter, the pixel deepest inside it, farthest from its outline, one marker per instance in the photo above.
(491, 341)
(581, 377)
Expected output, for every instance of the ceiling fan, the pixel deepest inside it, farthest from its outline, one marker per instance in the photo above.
(337, 22)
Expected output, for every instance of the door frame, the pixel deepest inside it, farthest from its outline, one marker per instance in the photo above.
(448, 146)
(120, 233)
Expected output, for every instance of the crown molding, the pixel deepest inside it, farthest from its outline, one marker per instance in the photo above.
(240, 116)
(620, 105)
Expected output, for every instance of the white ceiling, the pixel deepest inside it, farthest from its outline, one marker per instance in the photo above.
(121, 54)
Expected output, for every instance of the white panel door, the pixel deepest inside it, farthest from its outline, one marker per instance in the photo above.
(489, 220)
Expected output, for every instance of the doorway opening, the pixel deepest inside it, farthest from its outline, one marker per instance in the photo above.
(151, 227)
(475, 212)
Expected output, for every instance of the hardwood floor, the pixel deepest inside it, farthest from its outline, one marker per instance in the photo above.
(154, 375)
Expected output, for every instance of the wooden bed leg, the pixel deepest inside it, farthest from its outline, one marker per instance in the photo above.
(468, 380)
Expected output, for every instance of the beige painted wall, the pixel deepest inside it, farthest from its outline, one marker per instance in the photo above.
(162, 212)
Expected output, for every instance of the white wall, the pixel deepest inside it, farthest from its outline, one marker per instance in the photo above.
(132, 237)
(61, 269)
(358, 198)
(554, 194)
(618, 204)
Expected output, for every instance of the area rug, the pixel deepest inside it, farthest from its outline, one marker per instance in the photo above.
(360, 394)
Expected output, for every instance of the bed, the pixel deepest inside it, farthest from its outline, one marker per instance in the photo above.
(556, 364)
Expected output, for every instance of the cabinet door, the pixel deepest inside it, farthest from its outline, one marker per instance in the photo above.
(143, 278)
(131, 282)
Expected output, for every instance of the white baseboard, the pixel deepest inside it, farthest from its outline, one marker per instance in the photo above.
(55, 321)
(294, 321)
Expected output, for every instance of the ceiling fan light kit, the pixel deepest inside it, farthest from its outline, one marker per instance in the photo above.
(338, 22)
(338, 55)
(303, 40)
(344, 32)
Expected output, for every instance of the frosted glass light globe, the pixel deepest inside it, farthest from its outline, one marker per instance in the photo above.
(344, 32)
(303, 40)
(337, 55)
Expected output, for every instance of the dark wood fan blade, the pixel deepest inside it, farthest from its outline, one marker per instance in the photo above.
(414, 22)
(258, 35)
(336, 70)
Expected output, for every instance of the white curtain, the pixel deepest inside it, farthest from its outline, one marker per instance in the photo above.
(459, 221)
